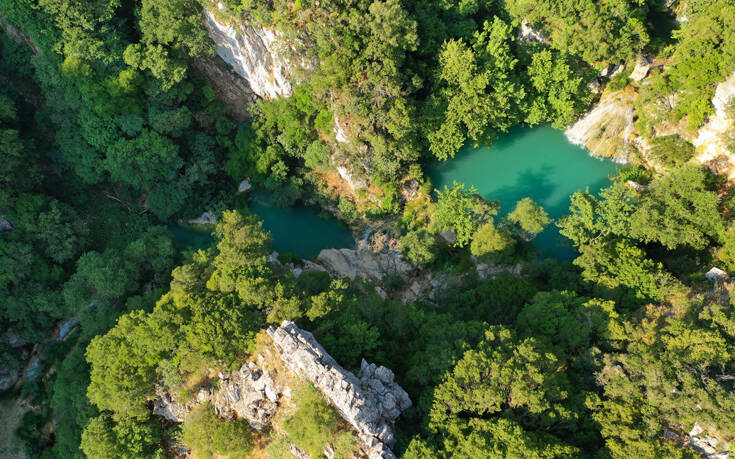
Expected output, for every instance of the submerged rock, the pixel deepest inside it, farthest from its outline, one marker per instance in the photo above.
(253, 54)
(370, 402)
(8, 378)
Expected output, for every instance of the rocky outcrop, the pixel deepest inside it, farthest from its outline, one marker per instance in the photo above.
(244, 186)
(167, 407)
(249, 394)
(206, 218)
(708, 447)
(364, 263)
(370, 402)
(711, 141)
(254, 53)
(18, 35)
(642, 67)
(529, 34)
(608, 129)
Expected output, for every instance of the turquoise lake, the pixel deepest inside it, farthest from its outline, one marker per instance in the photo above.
(298, 230)
(539, 163)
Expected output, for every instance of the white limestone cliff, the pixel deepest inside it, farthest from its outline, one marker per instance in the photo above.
(254, 53)
(711, 141)
(607, 130)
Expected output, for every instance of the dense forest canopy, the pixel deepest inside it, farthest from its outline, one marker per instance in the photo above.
(110, 134)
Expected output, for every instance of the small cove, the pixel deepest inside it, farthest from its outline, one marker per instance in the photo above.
(298, 230)
(539, 163)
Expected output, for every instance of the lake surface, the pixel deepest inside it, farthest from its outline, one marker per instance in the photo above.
(539, 163)
(298, 230)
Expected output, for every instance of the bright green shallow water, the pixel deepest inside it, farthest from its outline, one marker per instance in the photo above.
(536, 162)
(296, 230)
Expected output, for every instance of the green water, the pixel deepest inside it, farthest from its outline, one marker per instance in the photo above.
(298, 230)
(190, 238)
(536, 162)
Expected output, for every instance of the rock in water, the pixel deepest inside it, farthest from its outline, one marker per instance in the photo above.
(370, 402)
(252, 53)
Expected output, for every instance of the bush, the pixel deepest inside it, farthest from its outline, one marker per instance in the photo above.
(207, 434)
(316, 424)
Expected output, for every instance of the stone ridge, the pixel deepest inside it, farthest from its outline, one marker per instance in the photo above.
(370, 403)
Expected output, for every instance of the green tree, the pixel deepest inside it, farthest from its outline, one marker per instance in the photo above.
(489, 240)
(530, 217)
(461, 211)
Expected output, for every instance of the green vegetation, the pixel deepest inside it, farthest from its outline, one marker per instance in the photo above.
(108, 135)
(316, 424)
(208, 434)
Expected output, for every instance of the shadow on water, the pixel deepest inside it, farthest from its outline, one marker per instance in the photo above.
(533, 183)
(539, 163)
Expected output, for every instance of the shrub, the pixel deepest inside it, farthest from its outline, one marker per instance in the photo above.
(315, 424)
(207, 434)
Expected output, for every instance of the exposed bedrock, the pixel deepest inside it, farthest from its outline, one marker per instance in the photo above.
(371, 402)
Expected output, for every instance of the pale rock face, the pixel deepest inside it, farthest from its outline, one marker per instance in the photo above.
(253, 54)
(363, 263)
(348, 177)
(529, 34)
(711, 138)
(371, 401)
(339, 131)
(207, 218)
(705, 445)
(716, 275)
(168, 408)
(244, 186)
(608, 129)
(642, 67)
(249, 394)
